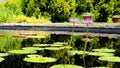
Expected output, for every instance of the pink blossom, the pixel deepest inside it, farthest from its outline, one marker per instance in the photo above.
(87, 21)
(74, 20)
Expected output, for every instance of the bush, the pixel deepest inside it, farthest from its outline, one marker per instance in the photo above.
(22, 18)
(8, 9)
(5, 15)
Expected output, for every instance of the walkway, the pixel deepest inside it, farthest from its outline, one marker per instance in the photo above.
(104, 29)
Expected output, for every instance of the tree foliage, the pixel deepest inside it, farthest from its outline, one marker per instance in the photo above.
(61, 10)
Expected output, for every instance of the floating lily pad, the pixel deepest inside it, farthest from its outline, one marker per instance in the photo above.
(36, 36)
(1, 59)
(41, 45)
(66, 66)
(34, 56)
(74, 52)
(40, 59)
(53, 48)
(66, 47)
(104, 50)
(56, 45)
(21, 51)
(110, 58)
(100, 67)
(61, 43)
(100, 54)
(3, 54)
(32, 48)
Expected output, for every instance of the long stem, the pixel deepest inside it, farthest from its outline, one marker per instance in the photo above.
(71, 41)
(86, 41)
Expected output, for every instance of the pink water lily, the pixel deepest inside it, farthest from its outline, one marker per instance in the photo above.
(87, 21)
(74, 20)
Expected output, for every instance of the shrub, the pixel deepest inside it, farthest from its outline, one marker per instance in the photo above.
(22, 18)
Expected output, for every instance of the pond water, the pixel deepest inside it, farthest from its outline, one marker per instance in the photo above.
(47, 48)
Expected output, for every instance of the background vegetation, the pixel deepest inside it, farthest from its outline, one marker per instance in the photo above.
(57, 10)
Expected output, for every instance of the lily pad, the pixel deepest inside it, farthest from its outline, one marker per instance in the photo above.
(104, 50)
(34, 56)
(53, 48)
(100, 67)
(66, 66)
(100, 54)
(1, 59)
(110, 58)
(74, 52)
(32, 48)
(3, 54)
(21, 51)
(56, 45)
(40, 59)
(36, 37)
(41, 45)
(61, 43)
(66, 47)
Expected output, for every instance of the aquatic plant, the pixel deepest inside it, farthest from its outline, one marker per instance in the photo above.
(55, 45)
(66, 66)
(76, 52)
(73, 21)
(21, 51)
(100, 54)
(7, 42)
(110, 58)
(104, 50)
(1, 59)
(61, 43)
(39, 59)
(100, 67)
(3, 54)
(53, 48)
(41, 45)
(32, 48)
(34, 55)
(87, 19)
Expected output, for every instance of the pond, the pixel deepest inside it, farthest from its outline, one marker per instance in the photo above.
(43, 50)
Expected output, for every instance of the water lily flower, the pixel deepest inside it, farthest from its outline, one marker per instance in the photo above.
(74, 20)
(87, 21)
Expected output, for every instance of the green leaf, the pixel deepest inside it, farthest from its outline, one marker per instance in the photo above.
(39, 59)
(66, 66)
